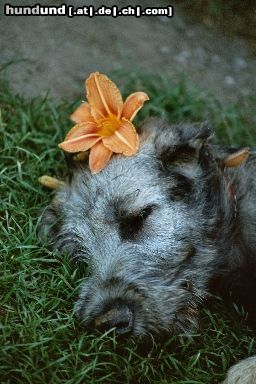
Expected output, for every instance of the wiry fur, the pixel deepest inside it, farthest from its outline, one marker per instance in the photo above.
(160, 229)
(242, 373)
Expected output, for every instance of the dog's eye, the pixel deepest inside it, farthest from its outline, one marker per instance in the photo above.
(131, 225)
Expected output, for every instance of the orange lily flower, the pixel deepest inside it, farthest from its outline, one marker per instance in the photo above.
(104, 123)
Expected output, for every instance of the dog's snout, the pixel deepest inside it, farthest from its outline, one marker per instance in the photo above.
(119, 317)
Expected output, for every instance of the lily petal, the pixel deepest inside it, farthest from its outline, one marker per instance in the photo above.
(133, 104)
(80, 138)
(81, 130)
(125, 140)
(82, 113)
(80, 144)
(99, 157)
(103, 95)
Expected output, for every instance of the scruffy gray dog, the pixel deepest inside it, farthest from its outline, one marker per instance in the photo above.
(161, 229)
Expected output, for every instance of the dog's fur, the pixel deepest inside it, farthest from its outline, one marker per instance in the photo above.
(161, 229)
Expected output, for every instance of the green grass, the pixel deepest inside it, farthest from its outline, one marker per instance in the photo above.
(230, 16)
(40, 342)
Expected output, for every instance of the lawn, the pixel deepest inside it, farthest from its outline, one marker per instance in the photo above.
(40, 341)
(230, 16)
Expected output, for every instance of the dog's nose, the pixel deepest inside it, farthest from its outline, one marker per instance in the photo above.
(119, 317)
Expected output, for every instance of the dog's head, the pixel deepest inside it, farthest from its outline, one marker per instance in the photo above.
(148, 225)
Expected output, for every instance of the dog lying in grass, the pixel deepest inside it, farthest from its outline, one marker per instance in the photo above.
(161, 230)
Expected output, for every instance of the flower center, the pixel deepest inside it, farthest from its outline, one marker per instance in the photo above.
(108, 126)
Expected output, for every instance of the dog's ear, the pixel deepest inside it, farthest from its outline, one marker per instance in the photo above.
(183, 154)
(181, 143)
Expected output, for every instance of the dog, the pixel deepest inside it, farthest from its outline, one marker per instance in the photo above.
(161, 230)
